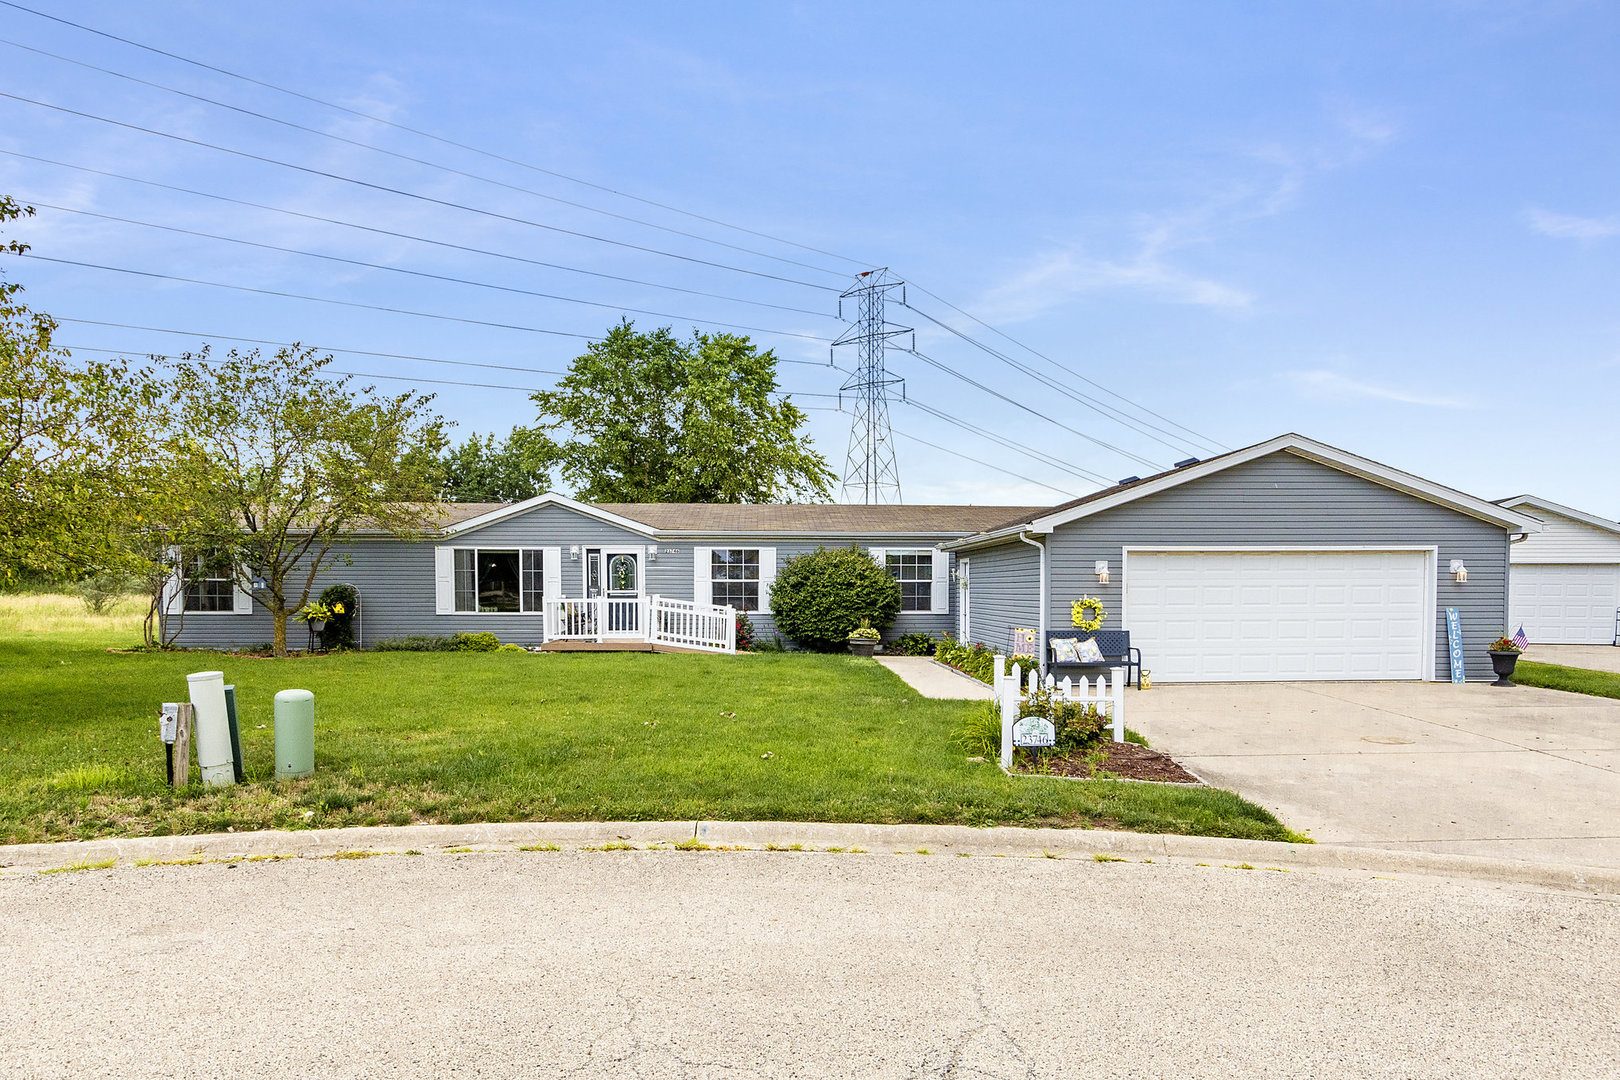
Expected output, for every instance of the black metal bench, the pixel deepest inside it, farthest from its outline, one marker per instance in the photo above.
(1115, 646)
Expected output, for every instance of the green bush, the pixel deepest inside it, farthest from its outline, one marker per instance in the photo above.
(819, 597)
(414, 643)
(913, 645)
(1079, 724)
(483, 641)
(976, 660)
(339, 632)
(509, 647)
(102, 591)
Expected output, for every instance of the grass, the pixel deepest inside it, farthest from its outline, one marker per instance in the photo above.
(453, 738)
(1575, 680)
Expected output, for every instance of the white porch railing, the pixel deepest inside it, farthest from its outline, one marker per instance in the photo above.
(652, 619)
(1108, 694)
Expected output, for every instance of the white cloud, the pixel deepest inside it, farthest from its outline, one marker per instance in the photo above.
(1331, 384)
(1572, 227)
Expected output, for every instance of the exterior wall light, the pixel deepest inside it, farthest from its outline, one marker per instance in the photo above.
(573, 553)
(652, 554)
(1459, 571)
(1102, 571)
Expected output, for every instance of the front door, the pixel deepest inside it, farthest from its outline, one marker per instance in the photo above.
(621, 580)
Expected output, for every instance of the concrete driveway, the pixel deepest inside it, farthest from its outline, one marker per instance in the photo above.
(1518, 773)
(1594, 657)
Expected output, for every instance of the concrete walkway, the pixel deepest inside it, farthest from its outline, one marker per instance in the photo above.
(1592, 657)
(707, 964)
(934, 680)
(1519, 773)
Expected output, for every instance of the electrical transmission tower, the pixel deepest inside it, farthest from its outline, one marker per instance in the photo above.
(871, 474)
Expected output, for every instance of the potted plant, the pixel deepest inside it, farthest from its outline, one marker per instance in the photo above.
(863, 640)
(315, 615)
(1504, 657)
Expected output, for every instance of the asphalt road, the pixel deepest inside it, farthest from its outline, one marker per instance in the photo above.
(779, 964)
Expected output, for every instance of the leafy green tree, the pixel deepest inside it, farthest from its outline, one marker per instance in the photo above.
(73, 437)
(295, 462)
(651, 418)
(491, 470)
(820, 596)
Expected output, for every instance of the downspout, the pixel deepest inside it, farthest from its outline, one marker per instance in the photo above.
(1040, 656)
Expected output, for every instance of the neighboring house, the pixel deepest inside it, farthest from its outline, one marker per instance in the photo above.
(1564, 582)
(523, 570)
(1287, 560)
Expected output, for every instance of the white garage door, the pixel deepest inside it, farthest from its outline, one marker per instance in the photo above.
(1564, 605)
(1229, 616)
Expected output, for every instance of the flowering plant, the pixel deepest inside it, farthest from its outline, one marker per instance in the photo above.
(1504, 644)
(864, 632)
(317, 612)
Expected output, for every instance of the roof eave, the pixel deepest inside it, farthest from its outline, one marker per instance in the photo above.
(1562, 511)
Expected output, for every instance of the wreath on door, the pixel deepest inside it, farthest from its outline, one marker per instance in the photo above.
(1077, 614)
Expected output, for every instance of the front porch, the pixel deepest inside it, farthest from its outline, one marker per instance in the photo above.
(637, 624)
(618, 645)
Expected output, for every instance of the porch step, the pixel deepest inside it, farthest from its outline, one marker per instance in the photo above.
(614, 646)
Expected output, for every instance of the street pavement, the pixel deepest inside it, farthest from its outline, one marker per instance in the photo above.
(797, 964)
(1514, 773)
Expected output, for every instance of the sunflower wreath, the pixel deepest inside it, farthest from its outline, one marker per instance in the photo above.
(1081, 606)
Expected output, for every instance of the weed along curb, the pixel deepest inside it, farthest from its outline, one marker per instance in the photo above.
(782, 836)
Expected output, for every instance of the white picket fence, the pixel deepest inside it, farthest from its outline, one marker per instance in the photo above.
(653, 619)
(1011, 690)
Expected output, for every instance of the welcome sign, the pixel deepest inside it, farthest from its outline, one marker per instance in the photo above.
(1454, 642)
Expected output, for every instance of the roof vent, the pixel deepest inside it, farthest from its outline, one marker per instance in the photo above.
(1129, 480)
(1186, 462)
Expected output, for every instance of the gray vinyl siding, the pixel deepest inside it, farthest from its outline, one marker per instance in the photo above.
(1283, 499)
(907, 622)
(395, 580)
(1005, 587)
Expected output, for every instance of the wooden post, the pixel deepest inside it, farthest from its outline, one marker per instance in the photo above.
(185, 723)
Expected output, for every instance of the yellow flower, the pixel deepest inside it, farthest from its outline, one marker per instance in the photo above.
(337, 609)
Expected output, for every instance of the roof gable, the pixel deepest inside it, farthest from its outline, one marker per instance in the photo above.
(1535, 503)
(550, 498)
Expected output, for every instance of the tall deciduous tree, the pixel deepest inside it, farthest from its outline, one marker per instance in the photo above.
(72, 439)
(651, 418)
(296, 462)
(491, 470)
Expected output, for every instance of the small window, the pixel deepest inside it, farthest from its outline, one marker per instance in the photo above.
(533, 579)
(914, 570)
(734, 578)
(210, 584)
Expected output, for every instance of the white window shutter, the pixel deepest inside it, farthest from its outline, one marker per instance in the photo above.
(941, 601)
(173, 590)
(551, 573)
(878, 556)
(444, 581)
(767, 575)
(241, 599)
(702, 575)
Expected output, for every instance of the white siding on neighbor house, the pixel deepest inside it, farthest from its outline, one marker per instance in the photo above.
(1564, 540)
(1287, 500)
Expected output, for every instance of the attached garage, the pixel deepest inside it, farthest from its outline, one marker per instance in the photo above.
(1564, 582)
(1264, 616)
(1289, 560)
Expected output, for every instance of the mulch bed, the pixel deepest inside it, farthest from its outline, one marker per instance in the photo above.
(1126, 761)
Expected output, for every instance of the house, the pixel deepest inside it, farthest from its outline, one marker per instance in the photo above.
(553, 570)
(1286, 560)
(1564, 582)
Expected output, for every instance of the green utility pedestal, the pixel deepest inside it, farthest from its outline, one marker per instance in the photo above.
(295, 733)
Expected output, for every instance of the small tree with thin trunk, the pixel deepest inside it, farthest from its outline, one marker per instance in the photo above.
(296, 462)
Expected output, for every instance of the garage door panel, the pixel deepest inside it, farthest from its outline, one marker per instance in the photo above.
(1297, 615)
(1564, 604)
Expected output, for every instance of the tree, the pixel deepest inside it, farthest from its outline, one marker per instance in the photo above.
(294, 462)
(486, 470)
(820, 596)
(73, 437)
(650, 418)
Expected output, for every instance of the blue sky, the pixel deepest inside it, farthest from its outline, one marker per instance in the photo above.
(1392, 227)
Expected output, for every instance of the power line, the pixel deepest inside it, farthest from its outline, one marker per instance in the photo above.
(414, 160)
(1214, 443)
(410, 194)
(1010, 444)
(424, 273)
(410, 236)
(425, 134)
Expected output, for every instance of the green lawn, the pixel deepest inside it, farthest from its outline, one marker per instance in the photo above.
(1575, 680)
(406, 737)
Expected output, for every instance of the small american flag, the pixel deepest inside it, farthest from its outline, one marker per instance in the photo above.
(1520, 640)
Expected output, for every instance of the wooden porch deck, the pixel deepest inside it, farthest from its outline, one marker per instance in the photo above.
(614, 646)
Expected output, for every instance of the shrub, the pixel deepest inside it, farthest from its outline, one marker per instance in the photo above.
(344, 603)
(414, 643)
(819, 597)
(745, 633)
(976, 660)
(1079, 724)
(101, 591)
(483, 641)
(509, 647)
(913, 645)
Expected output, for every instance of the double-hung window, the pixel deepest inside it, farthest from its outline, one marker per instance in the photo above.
(210, 583)
(734, 577)
(497, 580)
(914, 570)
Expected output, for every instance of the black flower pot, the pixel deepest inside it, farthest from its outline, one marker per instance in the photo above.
(863, 646)
(1503, 663)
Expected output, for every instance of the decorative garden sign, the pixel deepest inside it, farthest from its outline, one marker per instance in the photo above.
(1034, 731)
(1454, 642)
